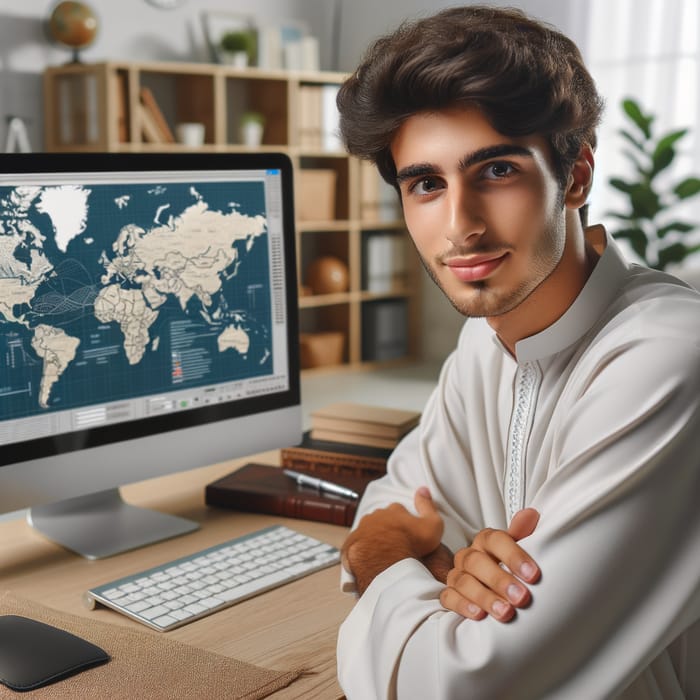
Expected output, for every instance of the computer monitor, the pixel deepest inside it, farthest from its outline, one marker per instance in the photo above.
(148, 325)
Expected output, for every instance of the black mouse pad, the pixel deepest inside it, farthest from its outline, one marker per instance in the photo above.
(33, 653)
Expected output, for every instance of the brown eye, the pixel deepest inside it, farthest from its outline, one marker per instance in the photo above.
(498, 171)
(426, 185)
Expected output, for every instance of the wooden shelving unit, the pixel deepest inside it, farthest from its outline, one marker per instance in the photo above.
(97, 107)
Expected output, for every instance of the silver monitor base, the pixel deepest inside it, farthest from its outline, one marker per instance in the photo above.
(102, 524)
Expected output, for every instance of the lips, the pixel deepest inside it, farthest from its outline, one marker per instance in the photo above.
(474, 268)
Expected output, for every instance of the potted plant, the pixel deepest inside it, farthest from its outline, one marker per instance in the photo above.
(654, 232)
(238, 47)
(252, 128)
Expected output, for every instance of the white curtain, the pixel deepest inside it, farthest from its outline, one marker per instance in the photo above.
(648, 50)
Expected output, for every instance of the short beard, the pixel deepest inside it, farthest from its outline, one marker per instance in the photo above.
(516, 296)
(475, 310)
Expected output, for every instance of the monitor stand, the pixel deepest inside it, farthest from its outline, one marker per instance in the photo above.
(102, 524)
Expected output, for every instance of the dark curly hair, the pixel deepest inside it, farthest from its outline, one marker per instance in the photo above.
(525, 76)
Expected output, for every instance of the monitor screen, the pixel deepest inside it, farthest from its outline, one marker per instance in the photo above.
(148, 319)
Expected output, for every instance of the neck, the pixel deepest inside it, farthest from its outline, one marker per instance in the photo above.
(555, 295)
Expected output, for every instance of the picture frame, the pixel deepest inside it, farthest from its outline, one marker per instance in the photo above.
(217, 23)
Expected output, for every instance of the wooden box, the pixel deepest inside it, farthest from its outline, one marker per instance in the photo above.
(321, 349)
(316, 194)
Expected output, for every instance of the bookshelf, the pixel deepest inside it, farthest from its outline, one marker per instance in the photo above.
(343, 210)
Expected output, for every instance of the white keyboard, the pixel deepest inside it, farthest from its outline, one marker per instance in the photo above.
(184, 590)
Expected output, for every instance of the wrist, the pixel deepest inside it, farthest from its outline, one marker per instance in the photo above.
(366, 560)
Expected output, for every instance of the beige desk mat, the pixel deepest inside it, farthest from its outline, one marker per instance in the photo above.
(145, 665)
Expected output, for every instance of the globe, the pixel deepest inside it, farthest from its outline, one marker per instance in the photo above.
(73, 24)
(327, 275)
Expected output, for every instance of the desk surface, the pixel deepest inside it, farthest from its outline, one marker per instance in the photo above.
(292, 626)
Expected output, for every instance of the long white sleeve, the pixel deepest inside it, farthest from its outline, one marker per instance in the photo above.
(614, 469)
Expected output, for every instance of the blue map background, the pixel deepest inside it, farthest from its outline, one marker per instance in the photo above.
(65, 300)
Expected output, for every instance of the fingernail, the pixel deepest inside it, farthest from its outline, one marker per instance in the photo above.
(473, 609)
(500, 608)
(515, 593)
(527, 570)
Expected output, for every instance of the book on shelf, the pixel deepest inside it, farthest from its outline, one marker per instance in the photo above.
(330, 119)
(149, 128)
(385, 330)
(379, 201)
(386, 264)
(310, 126)
(331, 459)
(121, 99)
(261, 488)
(318, 118)
(156, 117)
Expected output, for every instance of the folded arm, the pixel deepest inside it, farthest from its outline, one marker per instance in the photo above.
(617, 545)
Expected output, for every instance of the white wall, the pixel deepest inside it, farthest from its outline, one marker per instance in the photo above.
(129, 30)
(363, 20)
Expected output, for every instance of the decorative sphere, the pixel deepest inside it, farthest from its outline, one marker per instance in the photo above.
(327, 275)
(73, 24)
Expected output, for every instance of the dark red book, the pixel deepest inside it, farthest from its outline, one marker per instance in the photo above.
(261, 488)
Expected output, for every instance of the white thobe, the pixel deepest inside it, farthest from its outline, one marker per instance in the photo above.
(596, 424)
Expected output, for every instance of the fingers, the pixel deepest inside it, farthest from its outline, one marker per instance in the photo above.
(502, 549)
(450, 599)
(523, 523)
(490, 576)
(423, 502)
(483, 582)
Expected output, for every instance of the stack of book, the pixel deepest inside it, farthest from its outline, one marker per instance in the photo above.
(349, 461)
(359, 424)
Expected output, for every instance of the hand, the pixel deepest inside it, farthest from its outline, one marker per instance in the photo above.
(388, 535)
(478, 585)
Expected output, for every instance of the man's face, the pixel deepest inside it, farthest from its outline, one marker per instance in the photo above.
(485, 211)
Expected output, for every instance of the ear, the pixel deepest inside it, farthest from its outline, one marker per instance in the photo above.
(580, 179)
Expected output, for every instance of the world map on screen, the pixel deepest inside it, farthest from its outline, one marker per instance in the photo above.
(114, 291)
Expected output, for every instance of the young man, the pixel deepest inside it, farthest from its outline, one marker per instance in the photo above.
(553, 481)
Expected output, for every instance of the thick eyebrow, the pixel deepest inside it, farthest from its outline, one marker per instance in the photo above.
(479, 156)
(500, 150)
(416, 170)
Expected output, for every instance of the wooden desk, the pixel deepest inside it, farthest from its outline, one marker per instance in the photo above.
(292, 626)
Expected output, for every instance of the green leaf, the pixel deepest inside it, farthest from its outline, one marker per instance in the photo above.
(670, 139)
(620, 184)
(688, 188)
(677, 226)
(634, 112)
(674, 253)
(637, 239)
(645, 202)
(661, 160)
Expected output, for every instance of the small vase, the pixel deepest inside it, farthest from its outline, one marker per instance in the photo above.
(237, 59)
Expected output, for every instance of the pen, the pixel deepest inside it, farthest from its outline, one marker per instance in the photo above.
(320, 484)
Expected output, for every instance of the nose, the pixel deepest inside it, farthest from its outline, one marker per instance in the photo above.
(464, 217)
